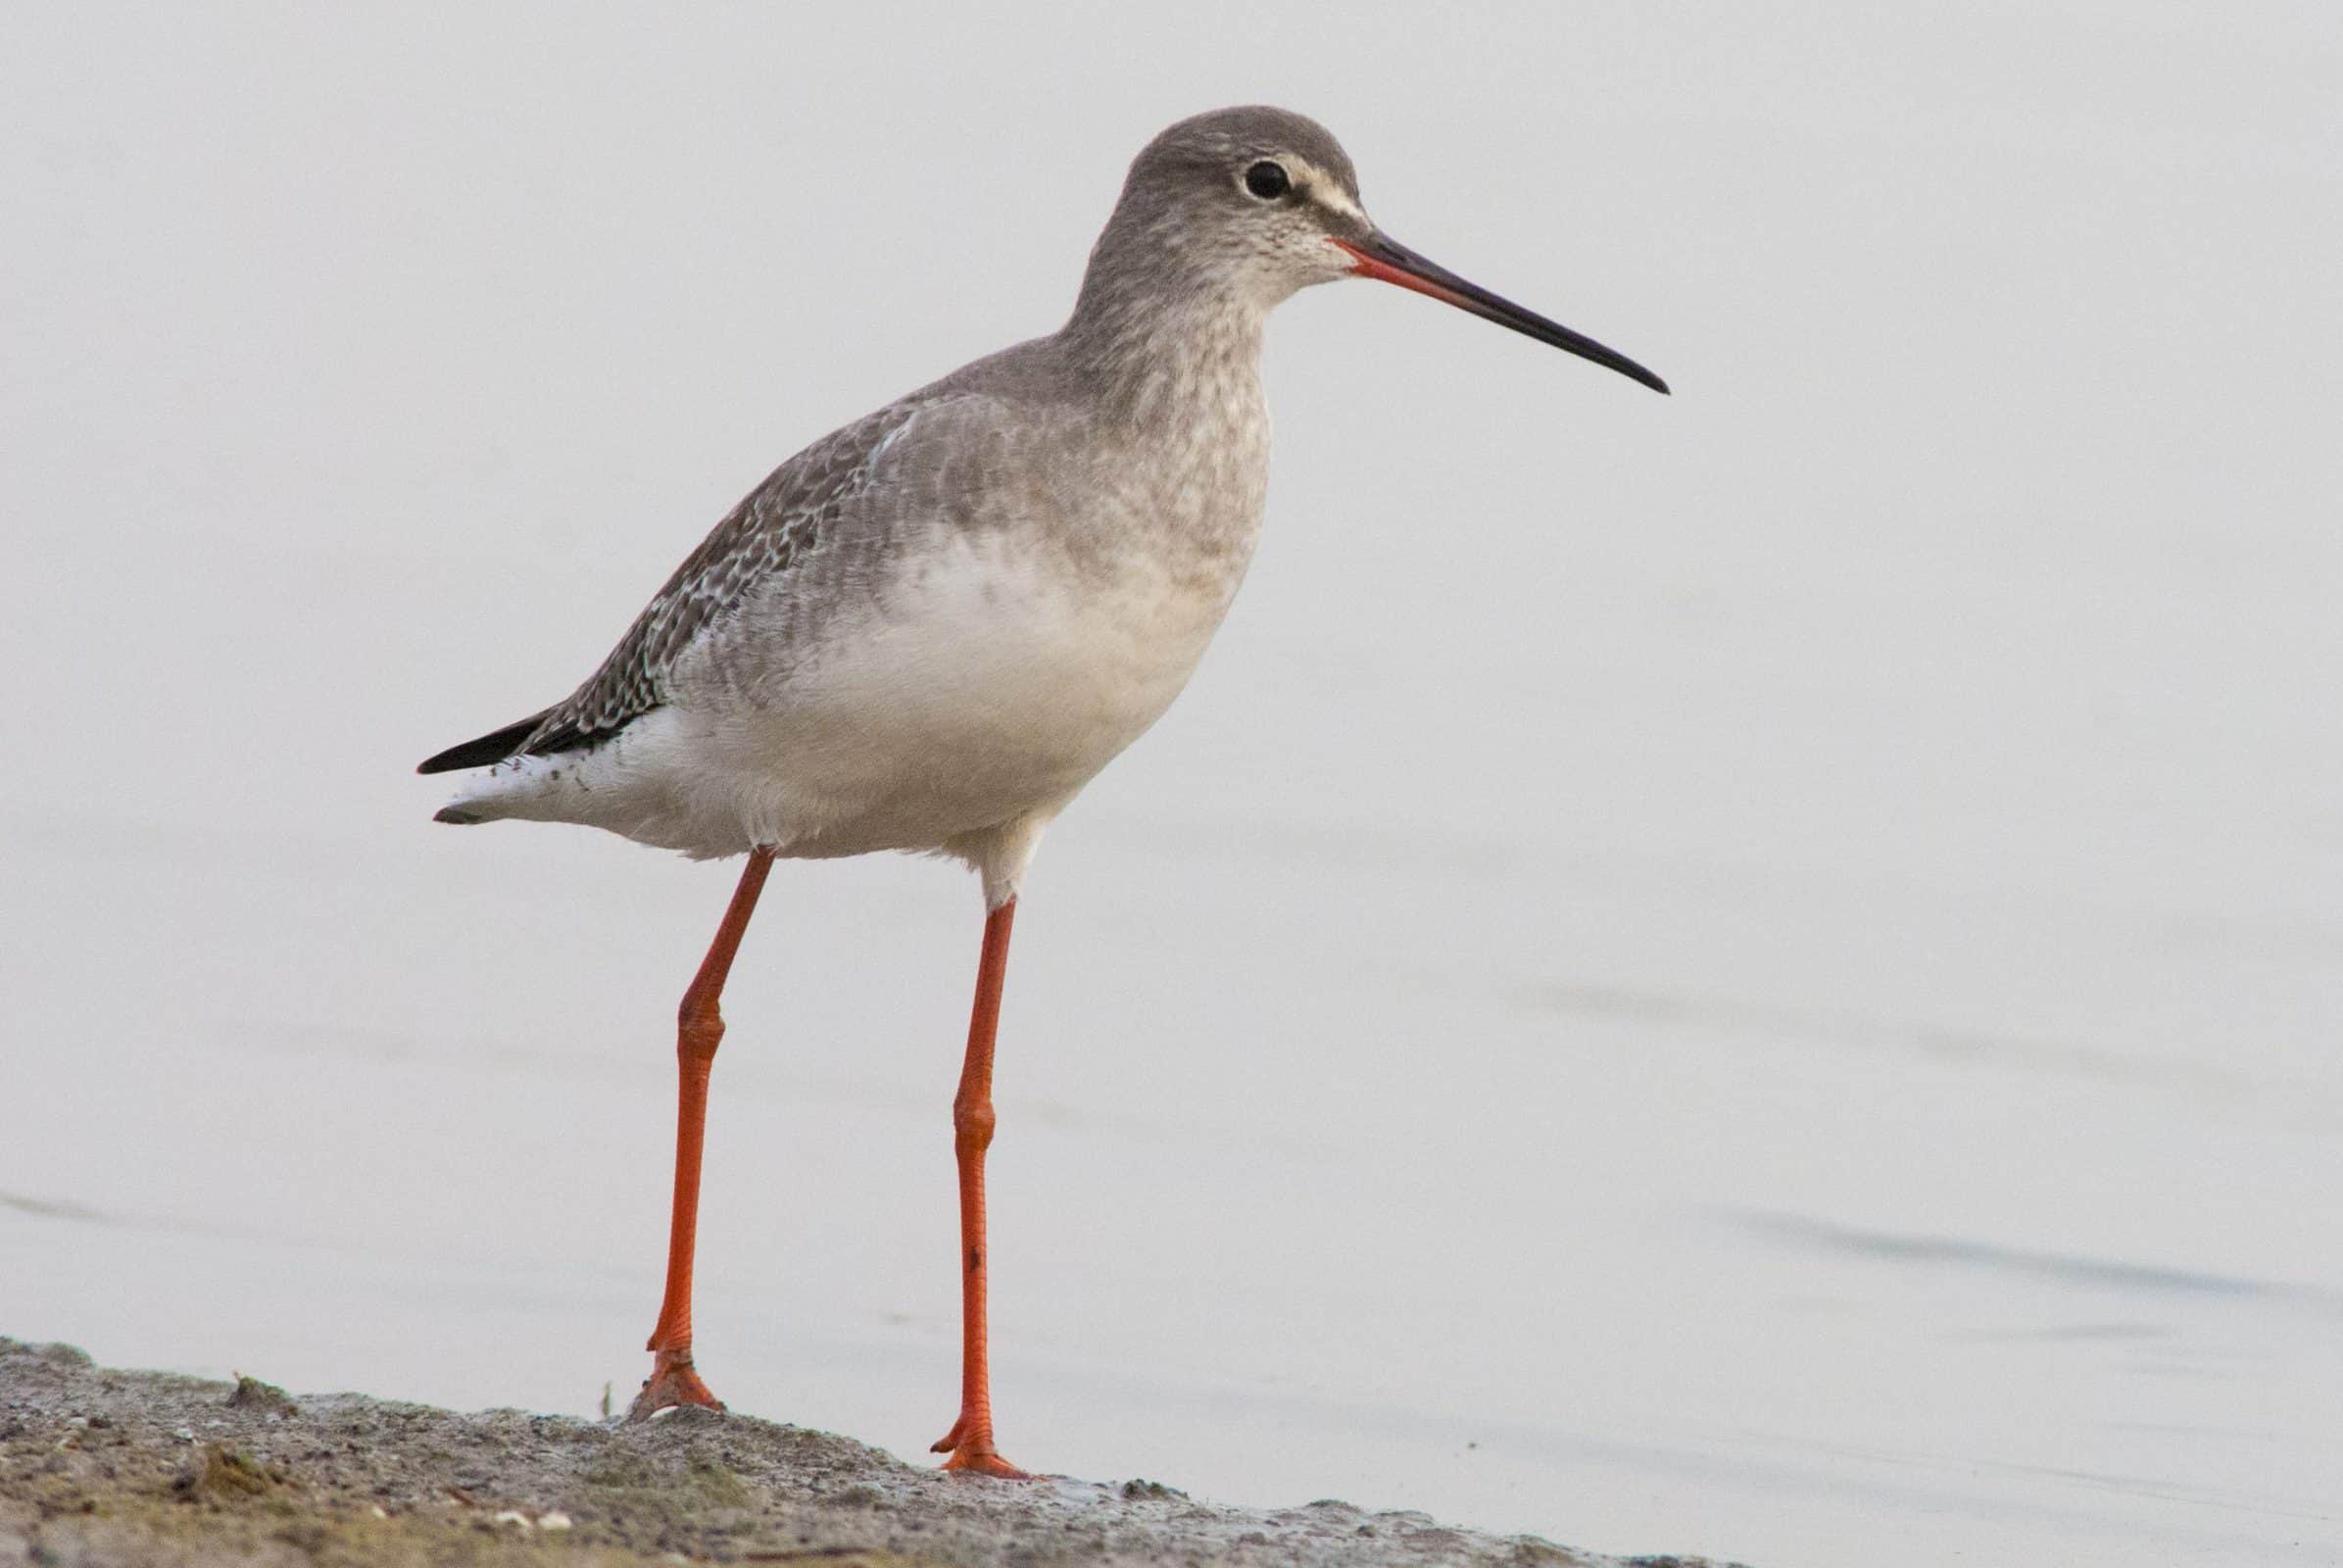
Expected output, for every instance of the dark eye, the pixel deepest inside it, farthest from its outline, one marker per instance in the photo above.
(1267, 180)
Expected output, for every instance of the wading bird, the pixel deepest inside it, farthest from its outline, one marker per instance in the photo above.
(931, 628)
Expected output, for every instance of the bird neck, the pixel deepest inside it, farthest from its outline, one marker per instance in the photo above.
(1159, 347)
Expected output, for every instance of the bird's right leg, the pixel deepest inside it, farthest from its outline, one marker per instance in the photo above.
(699, 1028)
(970, 1440)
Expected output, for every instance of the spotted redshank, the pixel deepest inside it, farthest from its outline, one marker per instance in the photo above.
(930, 629)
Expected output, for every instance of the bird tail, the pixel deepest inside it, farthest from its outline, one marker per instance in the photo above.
(493, 747)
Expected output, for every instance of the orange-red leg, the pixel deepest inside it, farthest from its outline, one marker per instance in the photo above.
(970, 1440)
(699, 1029)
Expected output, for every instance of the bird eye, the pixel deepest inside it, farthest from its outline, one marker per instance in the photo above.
(1267, 180)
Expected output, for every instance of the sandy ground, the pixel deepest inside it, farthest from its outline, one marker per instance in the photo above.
(102, 1467)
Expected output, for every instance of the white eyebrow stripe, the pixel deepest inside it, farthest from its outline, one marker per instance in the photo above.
(1324, 189)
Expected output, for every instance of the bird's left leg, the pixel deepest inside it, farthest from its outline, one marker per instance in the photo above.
(970, 1440)
(699, 1028)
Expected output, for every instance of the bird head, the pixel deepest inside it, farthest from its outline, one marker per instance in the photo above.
(1248, 206)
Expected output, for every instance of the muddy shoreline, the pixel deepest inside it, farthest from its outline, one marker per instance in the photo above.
(100, 1468)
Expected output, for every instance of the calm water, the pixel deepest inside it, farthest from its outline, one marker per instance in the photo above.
(1756, 974)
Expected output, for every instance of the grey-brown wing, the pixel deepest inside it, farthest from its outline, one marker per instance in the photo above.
(775, 525)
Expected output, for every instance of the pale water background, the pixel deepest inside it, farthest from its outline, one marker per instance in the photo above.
(1756, 974)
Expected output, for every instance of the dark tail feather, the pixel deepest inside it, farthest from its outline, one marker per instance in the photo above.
(492, 747)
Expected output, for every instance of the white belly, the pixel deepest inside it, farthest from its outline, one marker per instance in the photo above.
(981, 686)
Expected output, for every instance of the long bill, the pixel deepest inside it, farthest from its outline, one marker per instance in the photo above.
(1381, 257)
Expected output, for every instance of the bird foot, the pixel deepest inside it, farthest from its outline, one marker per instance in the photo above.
(673, 1383)
(972, 1452)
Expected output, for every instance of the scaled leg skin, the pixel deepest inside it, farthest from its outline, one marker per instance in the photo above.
(699, 1028)
(970, 1440)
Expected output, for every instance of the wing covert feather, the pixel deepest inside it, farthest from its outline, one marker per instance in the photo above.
(774, 526)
